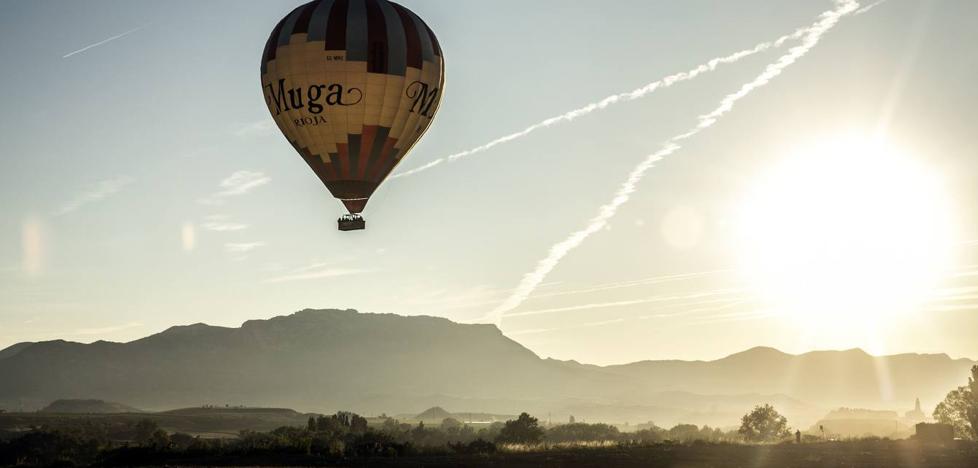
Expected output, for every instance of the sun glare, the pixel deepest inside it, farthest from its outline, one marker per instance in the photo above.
(848, 233)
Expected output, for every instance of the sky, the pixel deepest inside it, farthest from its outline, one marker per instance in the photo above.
(144, 185)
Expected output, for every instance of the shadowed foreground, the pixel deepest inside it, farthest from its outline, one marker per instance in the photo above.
(854, 454)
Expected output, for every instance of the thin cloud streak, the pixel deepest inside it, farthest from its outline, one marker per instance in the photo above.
(735, 317)
(959, 298)
(966, 270)
(328, 272)
(238, 183)
(102, 42)
(493, 294)
(105, 330)
(952, 308)
(222, 223)
(258, 128)
(238, 251)
(630, 283)
(242, 182)
(964, 273)
(224, 227)
(648, 300)
(955, 291)
(719, 317)
(532, 279)
(242, 247)
(99, 192)
(452, 299)
(699, 310)
(534, 331)
(946, 300)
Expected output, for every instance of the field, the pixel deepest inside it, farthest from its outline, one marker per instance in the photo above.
(855, 454)
(849, 454)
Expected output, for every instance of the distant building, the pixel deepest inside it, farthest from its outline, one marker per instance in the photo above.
(934, 432)
(846, 423)
(916, 415)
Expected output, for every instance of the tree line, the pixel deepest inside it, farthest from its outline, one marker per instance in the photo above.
(343, 435)
(346, 435)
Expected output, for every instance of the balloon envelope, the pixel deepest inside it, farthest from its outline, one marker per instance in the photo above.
(352, 84)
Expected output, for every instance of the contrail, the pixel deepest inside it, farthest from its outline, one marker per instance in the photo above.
(637, 93)
(869, 7)
(106, 41)
(626, 96)
(530, 281)
(649, 88)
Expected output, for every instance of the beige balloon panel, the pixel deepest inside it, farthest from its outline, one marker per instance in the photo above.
(385, 101)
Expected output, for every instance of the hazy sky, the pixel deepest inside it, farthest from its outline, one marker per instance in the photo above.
(143, 185)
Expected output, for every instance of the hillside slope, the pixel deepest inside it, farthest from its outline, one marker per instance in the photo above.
(325, 360)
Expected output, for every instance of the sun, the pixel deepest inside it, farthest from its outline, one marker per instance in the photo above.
(851, 232)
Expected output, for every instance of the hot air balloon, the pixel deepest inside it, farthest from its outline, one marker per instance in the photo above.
(353, 85)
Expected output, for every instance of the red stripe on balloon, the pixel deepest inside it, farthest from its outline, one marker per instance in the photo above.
(385, 162)
(366, 144)
(343, 151)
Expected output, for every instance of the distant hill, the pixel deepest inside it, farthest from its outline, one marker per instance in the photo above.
(233, 411)
(88, 407)
(827, 378)
(436, 413)
(327, 360)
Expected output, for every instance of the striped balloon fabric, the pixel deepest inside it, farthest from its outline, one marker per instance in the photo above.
(352, 84)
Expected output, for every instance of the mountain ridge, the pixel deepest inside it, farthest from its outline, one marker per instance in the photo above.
(190, 329)
(342, 359)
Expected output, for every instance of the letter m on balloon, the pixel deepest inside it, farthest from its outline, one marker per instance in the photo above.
(424, 98)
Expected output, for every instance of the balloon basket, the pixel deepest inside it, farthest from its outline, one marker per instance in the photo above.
(351, 222)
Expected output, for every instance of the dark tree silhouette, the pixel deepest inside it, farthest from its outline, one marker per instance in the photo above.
(960, 408)
(450, 424)
(953, 412)
(972, 409)
(146, 433)
(582, 432)
(684, 433)
(764, 424)
(523, 430)
(182, 441)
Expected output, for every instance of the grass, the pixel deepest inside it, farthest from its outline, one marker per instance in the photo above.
(843, 454)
